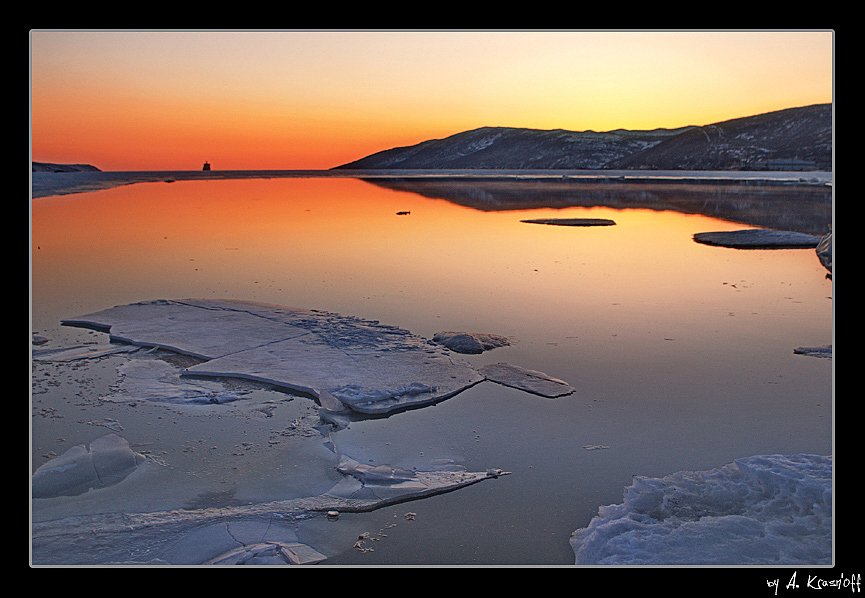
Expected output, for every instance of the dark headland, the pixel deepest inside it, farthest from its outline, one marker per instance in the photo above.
(791, 139)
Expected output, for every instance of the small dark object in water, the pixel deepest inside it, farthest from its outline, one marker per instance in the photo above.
(403, 213)
(572, 221)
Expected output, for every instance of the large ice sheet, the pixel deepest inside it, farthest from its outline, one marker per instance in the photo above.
(531, 381)
(762, 510)
(367, 366)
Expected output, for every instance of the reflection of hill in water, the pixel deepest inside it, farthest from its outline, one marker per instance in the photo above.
(801, 208)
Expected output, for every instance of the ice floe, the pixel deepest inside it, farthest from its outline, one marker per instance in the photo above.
(531, 381)
(347, 363)
(367, 366)
(761, 510)
(824, 351)
(572, 221)
(104, 462)
(470, 342)
(758, 239)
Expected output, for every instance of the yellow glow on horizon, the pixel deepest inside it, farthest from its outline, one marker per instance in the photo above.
(317, 99)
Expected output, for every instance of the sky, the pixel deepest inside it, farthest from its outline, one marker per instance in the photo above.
(282, 100)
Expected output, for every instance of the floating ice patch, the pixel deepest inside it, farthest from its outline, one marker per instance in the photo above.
(470, 342)
(106, 461)
(758, 239)
(763, 510)
(531, 381)
(824, 351)
(572, 221)
(369, 367)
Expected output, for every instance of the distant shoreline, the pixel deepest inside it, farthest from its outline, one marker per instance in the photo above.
(48, 184)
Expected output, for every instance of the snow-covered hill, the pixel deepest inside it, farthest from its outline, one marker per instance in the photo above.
(797, 138)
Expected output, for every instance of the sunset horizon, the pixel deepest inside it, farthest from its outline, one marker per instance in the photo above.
(418, 298)
(314, 100)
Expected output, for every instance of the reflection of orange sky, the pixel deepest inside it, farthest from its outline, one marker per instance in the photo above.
(313, 100)
(338, 244)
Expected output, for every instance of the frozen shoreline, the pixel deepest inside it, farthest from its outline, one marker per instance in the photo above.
(47, 184)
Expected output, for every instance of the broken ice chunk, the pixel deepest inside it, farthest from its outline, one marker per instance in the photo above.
(375, 474)
(270, 553)
(572, 221)
(757, 239)
(824, 351)
(470, 342)
(106, 461)
(531, 381)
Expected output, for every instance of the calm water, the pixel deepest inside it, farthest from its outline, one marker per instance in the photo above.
(681, 353)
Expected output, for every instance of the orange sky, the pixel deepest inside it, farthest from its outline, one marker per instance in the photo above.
(139, 100)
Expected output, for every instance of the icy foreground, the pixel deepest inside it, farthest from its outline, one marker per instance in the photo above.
(345, 362)
(763, 510)
(265, 533)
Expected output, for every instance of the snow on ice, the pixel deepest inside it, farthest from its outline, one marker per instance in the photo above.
(762, 510)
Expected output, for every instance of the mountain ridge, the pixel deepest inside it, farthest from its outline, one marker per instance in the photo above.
(789, 139)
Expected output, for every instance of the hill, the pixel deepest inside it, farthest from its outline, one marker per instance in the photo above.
(46, 167)
(791, 139)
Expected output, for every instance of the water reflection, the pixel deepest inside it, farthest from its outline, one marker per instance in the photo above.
(782, 206)
(339, 245)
